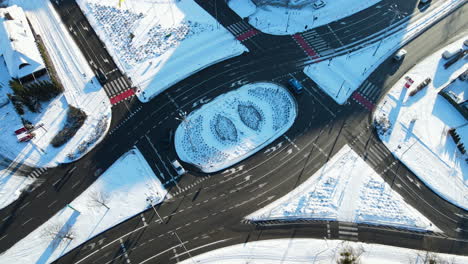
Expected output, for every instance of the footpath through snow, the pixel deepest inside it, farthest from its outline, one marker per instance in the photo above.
(118, 194)
(159, 43)
(346, 189)
(417, 126)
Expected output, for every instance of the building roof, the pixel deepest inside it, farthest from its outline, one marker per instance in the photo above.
(17, 43)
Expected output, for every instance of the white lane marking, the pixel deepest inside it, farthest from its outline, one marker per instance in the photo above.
(51, 204)
(292, 143)
(26, 221)
(108, 244)
(40, 194)
(193, 249)
(162, 252)
(124, 250)
(24, 205)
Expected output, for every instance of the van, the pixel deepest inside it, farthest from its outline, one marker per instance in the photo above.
(450, 53)
(400, 55)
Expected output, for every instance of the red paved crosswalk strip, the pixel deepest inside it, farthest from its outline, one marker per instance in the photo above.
(247, 34)
(306, 47)
(363, 101)
(122, 96)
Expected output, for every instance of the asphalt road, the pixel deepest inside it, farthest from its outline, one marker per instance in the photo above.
(209, 214)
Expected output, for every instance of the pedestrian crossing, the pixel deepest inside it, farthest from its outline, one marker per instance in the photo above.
(370, 91)
(36, 173)
(367, 95)
(239, 27)
(317, 42)
(242, 30)
(116, 87)
(348, 231)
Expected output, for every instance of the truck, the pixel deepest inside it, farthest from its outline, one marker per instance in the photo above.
(296, 85)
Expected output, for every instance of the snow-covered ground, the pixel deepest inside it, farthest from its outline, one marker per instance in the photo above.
(80, 92)
(11, 186)
(299, 250)
(158, 43)
(344, 74)
(125, 186)
(346, 189)
(290, 17)
(235, 125)
(419, 124)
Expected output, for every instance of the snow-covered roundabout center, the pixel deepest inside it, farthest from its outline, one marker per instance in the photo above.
(235, 125)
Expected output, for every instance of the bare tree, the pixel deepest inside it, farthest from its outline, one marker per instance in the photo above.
(59, 231)
(350, 255)
(428, 257)
(99, 198)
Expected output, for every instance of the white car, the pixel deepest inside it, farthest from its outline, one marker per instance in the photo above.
(180, 170)
(400, 55)
(319, 4)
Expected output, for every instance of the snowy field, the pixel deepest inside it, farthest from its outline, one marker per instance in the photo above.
(419, 124)
(344, 74)
(124, 188)
(159, 43)
(235, 125)
(298, 251)
(75, 75)
(289, 17)
(346, 189)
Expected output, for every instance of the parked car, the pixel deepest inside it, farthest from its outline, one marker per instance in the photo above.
(450, 53)
(179, 169)
(296, 85)
(400, 55)
(319, 4)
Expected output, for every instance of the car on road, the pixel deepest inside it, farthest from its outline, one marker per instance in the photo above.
(400, 55)
(178, 168)
(296, 85)
(319, 4)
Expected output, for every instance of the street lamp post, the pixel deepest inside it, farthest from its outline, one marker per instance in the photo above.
(150, 200)
(396, 14)
(182, 244)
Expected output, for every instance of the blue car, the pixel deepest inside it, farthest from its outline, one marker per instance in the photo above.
(296, 86)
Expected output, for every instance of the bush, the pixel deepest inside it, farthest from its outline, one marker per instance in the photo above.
(17, 104)
(348, 255)
(75, 119)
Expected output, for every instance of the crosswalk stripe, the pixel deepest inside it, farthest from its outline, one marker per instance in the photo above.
(117, 88)
(110, 89)
(348, 228)
(122, 83)
(310, 33)
(236, 28)
(366, 88)
(315, 41)
(347, 233)
(321, 46)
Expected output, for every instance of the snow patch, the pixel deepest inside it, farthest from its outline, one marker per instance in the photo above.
(159, 43)
(419, 124)
(235, 125)
(345, 189)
